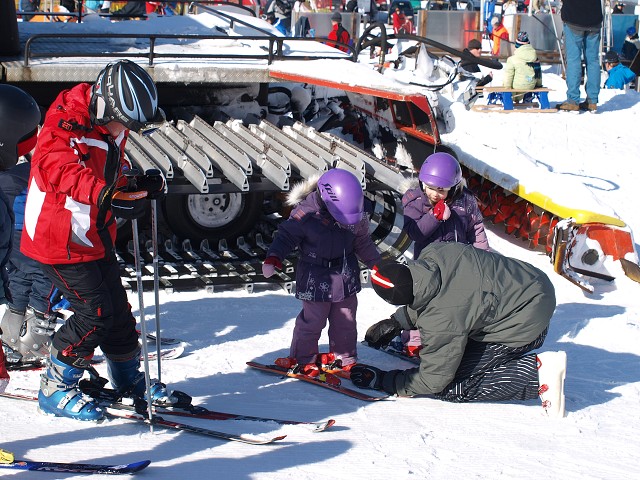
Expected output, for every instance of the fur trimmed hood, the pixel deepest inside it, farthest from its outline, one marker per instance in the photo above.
(301, 189)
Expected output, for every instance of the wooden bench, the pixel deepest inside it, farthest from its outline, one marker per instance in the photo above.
(506, 95)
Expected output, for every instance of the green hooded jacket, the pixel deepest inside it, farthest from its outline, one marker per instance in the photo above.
(518, 73)
(462, 293)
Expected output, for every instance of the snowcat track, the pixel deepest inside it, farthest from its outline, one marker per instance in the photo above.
(198, 158)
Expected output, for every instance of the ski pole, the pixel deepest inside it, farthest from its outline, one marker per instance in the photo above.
(156, 280)
(131, 174)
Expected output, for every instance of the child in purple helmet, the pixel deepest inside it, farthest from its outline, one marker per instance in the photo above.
(439, 208)
(329, 227)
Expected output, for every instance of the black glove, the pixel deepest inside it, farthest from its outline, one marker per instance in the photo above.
(380, 334)
(153, 182)
(129, 205)
(366, 376)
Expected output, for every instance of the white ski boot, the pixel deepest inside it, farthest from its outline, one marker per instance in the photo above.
(552, 370)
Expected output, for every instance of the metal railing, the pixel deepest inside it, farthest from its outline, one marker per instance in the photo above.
(274, 51)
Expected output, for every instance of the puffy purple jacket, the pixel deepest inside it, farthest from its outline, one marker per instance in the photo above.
(463, 226)
(328, 269)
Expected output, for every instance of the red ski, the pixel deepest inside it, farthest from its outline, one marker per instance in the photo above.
(274, 369)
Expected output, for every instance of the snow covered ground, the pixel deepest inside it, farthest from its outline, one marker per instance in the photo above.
(585, 158)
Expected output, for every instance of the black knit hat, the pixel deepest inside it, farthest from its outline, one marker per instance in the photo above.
(336, 17)
(473, 44)
(393, 283)
(611, 57)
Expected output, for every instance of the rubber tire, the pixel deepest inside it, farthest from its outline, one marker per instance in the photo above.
(178, 216)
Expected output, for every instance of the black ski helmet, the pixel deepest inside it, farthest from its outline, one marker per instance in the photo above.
(124, 92)
(19, 117)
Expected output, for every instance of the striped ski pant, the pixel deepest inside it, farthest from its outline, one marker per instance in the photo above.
(494, 372)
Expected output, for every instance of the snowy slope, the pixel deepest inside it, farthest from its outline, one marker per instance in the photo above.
(399, 438)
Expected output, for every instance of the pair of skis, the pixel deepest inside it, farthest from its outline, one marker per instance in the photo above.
(319, 381)
(7, 460)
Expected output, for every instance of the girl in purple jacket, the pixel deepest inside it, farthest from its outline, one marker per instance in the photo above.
(331, 231)
(440, 209)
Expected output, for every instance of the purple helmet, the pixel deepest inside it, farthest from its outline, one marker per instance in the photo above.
(440, 170)
(342, 194)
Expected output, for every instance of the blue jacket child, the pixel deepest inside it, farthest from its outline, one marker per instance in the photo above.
(619, 75)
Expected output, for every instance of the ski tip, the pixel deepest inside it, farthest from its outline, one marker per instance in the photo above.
(281, 437)
(137, 466)
(322, 427)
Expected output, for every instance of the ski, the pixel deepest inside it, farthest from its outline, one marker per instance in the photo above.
(166, 354)
(163, 340)
(184, 408)
(203, 413)
(125, 469)
(121, 411)
(274, 369)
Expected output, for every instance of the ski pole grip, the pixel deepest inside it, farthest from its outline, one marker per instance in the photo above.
(131, 175)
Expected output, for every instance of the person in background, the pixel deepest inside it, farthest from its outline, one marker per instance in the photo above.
(509, 11)
(398, 18)
(70, 5)
(480, 316)
(19, 118)
(132, 10)
(277, 23)
(29, 6)
(301, 6)
(439, 208)
(618, 8)
(338, 33)
(80, 181)
(498, 33)
(488, 15)
(330, 228)
(631, 44)
(474, 47)
(582, 24)
(93, 5)
(522, 70)
(282, 10)
(617, 74)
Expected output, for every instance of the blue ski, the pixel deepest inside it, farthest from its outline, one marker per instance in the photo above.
(125, 469)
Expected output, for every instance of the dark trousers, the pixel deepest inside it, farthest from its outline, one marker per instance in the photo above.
(494, 372)
(28, 284)
(101, 312)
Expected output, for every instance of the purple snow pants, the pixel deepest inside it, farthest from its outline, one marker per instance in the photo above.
(310, 322)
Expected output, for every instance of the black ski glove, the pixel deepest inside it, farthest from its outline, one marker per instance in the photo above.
(380, 334)
(153, 182)
(366, 376)
(129, 205)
